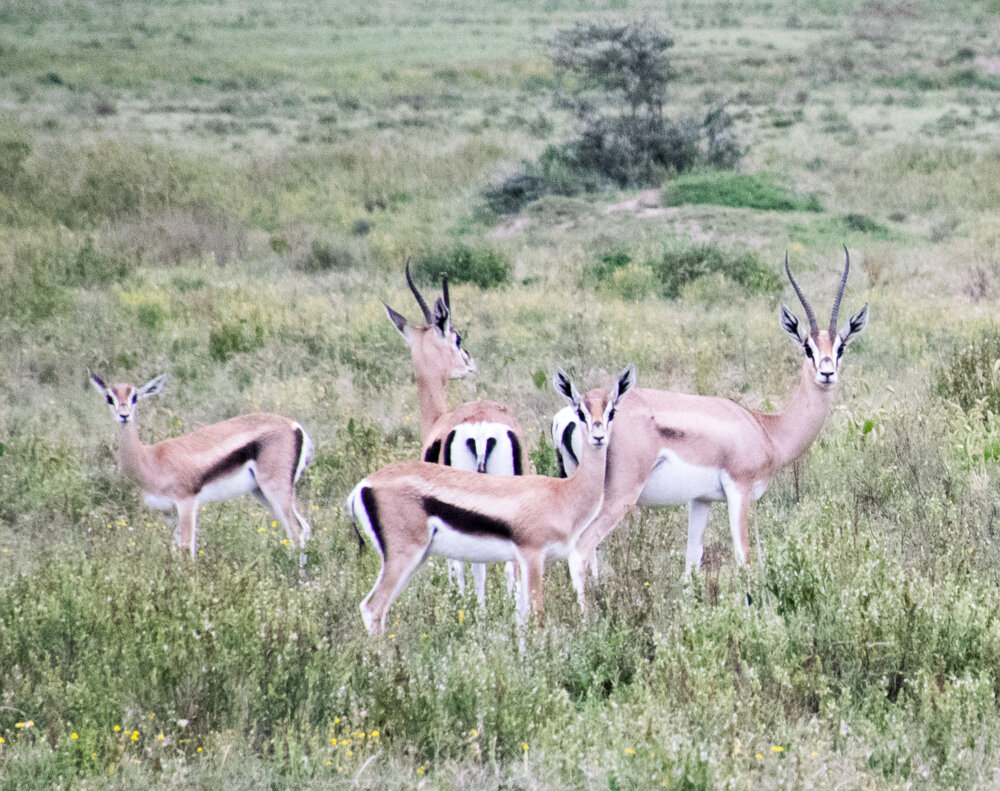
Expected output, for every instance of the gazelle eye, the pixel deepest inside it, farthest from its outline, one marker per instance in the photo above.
(110, 400)
(809, 351)
(840, 351)
(611, 415)
(579, 414)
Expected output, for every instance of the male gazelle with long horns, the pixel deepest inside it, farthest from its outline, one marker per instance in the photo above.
(410, 510)
(673, 448)
(263, 454)
(481, 436)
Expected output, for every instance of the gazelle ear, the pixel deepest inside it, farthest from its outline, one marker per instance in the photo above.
(626, 381)
(400, 323)
(790, 324)
(442, 316)
(98, 383)
(565, 387)
(152, 387)
(854, 325)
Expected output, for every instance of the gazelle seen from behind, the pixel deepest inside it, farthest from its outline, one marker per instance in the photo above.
(410, 510)
(673, 448)
(481, 436)
(263, 454)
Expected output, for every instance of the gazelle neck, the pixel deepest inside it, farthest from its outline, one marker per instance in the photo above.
(132, 454)
(433, 398)
(792, 431)
(585, 488)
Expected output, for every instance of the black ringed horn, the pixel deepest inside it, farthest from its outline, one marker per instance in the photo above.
(813, 325)
(840, 292)
(444, 289)
(428, 318)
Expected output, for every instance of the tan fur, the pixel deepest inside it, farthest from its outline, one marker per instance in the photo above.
(174, 469)
(544, 515)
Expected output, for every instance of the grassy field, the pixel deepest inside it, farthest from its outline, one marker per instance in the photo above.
(226, 192)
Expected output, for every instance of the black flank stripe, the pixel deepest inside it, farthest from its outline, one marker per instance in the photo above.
(229, 464)
(371, 508)
(515, 450)
(433, 454)
(670, 433)
(466, 521)
(447, 449)
(299, 440)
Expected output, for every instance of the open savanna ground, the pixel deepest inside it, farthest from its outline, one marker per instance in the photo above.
(226, 192)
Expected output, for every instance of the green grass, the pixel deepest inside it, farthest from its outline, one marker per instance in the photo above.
(227, 195)
(747, 190)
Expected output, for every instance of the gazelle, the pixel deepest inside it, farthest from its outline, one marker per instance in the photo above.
(481, 436)
(673, 448)
(411, 510)
(260, 453)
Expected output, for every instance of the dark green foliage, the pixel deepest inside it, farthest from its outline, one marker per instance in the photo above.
(13, 151)
(750, 190)
(681, 266)
(970, 378)
(234, 337)
(326, 255)
(482, 266)
(543, 456)
(862, 223)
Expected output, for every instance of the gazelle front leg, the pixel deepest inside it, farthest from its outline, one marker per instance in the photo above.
(698, 511)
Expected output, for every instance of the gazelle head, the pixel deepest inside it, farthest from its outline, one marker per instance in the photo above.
(596, 410)
(123, 398)
(823, 348)
(436, 346)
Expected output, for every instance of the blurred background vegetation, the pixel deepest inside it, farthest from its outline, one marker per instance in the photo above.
(226, 192)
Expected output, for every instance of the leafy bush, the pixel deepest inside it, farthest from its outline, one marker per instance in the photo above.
(750, 191)
(234, 337)
(865, 224)
(326, 255)
(678, 267)
(463, 264)
(972, 376)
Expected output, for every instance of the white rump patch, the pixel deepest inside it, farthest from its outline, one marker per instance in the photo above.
(471, 448)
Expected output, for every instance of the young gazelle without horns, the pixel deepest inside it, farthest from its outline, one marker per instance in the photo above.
(481, 436)
(260, 453)
(410, 510)
(673, 448)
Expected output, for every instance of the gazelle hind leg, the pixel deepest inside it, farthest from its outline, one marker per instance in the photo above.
(392, 578)
(186, 534)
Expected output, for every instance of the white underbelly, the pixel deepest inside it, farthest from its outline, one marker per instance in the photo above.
(158, 502)
(242, 482)
(450, 543)
(674, 482)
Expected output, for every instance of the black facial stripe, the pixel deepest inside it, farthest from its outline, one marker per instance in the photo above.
(670, 433)
(466, 521)
(230, 463)
(433, 454)
(515, 452)
(371, 508)
(447, 449)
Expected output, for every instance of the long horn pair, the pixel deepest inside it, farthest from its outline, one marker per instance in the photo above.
(428, 316)
(813, 324)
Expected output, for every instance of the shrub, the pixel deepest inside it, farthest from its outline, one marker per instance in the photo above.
(750, 191)
(678, 267)
(326, 255)
(972, 377)
(865, 224)
(234, 337)
(485, 267)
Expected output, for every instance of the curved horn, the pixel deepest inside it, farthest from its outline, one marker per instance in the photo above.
(444, 288)
(428, 318)
(813, 325)
(840, 293)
